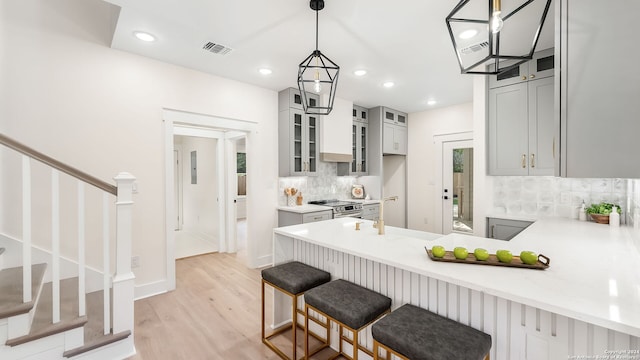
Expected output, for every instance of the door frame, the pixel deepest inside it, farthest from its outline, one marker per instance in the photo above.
(440, 140)
(178, 187)
(190, 123)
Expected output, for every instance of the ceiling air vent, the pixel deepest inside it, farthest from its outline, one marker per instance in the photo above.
(474, 48)
(216, 48)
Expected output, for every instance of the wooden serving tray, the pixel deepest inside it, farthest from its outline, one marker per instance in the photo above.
(492, 260)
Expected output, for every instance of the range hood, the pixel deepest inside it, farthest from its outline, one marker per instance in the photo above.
(335, 132)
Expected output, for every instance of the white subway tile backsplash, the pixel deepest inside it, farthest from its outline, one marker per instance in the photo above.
(561, 197)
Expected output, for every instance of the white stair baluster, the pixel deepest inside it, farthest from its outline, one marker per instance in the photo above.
(82, 300)
(55, 245)
(105, 259)
(26, 229)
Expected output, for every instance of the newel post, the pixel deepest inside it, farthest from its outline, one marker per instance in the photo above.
(123, 281)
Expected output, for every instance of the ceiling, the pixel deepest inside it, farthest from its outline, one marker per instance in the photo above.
(405, 42)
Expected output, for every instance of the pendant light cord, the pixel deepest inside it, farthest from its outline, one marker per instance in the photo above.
(316, 28)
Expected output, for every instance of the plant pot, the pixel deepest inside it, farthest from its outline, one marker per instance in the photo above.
(600, 218)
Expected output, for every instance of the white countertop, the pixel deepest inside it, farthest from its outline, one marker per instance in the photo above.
(305, 208)
(594, 274)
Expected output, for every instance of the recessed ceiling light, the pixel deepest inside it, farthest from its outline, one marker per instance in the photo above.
(360, 72)
(468, 34)
(265, 71)
(144, 36)
(431, 102)
(388, 84)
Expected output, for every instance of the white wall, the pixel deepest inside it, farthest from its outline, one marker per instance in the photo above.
(64, 92)
(421, 160)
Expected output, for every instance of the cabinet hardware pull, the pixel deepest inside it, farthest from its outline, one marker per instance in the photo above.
(524, 77)
(492, 227)
(524, 161)
(553, 148)
(532, 76)
(533, 160)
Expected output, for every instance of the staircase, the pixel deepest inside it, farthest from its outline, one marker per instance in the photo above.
(59, 298)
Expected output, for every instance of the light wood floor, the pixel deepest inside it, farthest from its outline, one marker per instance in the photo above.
(214, 313)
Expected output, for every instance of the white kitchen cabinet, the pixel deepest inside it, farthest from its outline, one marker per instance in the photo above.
(505, 229)
(521, 132)
(599, 89)
(298, 141)
(359, 145)
(286, 218)
(371, 212)
(539, 67)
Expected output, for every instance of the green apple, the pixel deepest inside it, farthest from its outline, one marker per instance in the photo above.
(438, 251)
(481, 254)
(529, 257)
(460, 253)
(504, 256)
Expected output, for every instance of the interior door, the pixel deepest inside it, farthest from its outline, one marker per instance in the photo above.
(457, 187)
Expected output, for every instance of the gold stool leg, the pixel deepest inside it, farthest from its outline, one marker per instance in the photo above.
(294, 324)
(306, 331)
(263, 333)
(355, 345)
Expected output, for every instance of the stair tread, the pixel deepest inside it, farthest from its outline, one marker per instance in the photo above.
(42, 324)
(11, 289)
(97, 342)
(93, 322)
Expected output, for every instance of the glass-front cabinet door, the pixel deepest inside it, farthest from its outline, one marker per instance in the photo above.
(304, 143)
(312, 140)
(354, 146)
(362, 147)
(297, 123)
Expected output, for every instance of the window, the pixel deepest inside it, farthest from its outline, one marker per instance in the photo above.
(241, 164)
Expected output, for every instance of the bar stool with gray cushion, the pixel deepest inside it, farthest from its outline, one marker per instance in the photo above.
(349, 305)
(293, 279)
(414, 333)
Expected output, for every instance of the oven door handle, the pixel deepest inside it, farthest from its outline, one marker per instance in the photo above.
(353, 214)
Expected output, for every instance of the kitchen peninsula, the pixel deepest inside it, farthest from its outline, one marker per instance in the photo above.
(585, 303)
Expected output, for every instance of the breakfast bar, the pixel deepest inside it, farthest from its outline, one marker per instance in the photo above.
(587, 303)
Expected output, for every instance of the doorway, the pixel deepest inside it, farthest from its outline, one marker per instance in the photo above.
(454, 183)
(197, 212)
(226, 131)
(457, 181)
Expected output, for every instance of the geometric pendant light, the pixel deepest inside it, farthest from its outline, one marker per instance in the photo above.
(493, 36)
(317, 74)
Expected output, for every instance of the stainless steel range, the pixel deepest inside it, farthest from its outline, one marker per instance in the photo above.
(341, 208)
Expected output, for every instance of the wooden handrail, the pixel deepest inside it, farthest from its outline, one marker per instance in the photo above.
(34, 154)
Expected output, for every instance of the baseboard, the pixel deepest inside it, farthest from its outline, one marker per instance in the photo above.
(150, 289)
(263, 261)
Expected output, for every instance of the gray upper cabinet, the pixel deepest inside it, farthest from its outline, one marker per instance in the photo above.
(360, 140)
(298, 139)
(394, 131)
(394, 139)
(521, 132)
(539, 67)
(599, 89)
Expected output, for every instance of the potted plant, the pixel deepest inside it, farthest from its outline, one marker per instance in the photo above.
(600, 212)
